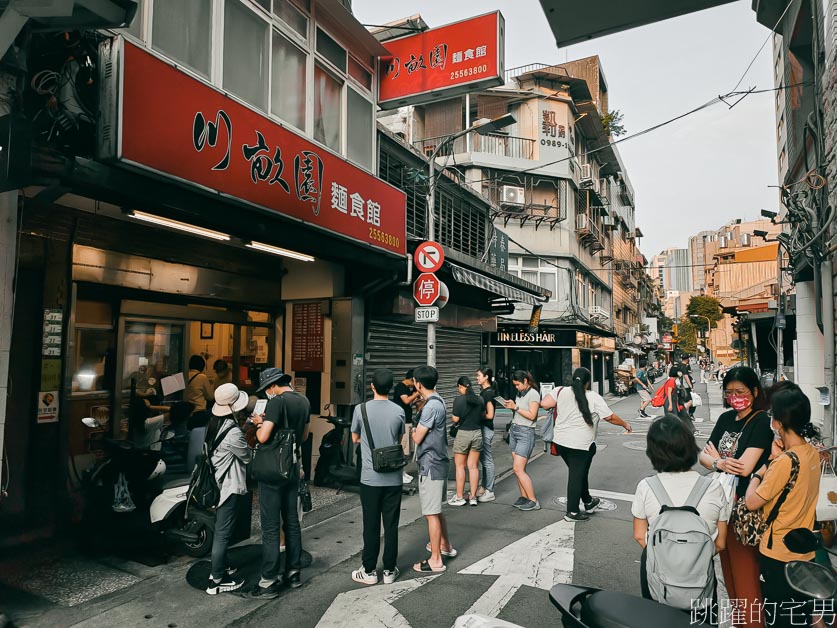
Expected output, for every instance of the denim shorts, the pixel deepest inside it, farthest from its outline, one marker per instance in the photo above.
(522, 440)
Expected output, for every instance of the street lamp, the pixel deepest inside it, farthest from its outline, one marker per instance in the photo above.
(483, 126)
(708, 329)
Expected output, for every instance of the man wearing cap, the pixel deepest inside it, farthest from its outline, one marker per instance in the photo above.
(280, 499)
(228, 457)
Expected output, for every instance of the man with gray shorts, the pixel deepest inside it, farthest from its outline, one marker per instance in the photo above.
(430, 436)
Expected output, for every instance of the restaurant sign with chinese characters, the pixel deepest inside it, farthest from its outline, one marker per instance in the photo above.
(555, 137)
(177, 126)
(443, 62)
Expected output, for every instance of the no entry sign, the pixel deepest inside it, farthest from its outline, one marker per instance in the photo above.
(429, 257)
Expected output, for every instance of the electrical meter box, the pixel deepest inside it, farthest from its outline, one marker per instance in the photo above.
(347, 351)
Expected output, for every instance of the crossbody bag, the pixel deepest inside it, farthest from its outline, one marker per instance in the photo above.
(275, 462)
(384, 459)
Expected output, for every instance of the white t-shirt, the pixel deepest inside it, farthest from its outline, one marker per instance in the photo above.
(713, 507)
(570, 428)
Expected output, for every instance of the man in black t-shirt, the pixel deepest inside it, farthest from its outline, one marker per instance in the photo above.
(686, 369)
(404, 396)
(280, 499)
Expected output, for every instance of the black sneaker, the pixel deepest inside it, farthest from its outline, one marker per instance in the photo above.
(592, 504)
(644, 414)
(266, 593)
(576, 516)
(520, 501)
(224, 585)
(294, 580)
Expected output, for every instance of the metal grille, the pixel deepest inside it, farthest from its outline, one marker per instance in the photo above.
(402, 346)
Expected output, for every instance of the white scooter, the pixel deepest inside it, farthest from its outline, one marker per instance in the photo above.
(191, 528)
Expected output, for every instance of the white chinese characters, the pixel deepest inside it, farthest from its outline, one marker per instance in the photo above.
(355, 205)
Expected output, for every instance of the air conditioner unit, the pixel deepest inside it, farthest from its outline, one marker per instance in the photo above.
(585, 179)
(513, 195)
(608, 221)
(596, 184)
(598, 311)
(581, 221)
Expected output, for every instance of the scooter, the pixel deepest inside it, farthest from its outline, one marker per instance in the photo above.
(813, 580)
(189, 527)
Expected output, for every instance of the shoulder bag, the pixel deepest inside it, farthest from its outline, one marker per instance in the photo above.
(750, 525)
(275, 462)
(384, 459)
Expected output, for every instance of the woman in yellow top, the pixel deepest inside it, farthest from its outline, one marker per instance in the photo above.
(791, 421)
(199, 392)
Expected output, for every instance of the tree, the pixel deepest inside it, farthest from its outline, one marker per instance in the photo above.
(687, 335)
(703, 306)
(612, 123)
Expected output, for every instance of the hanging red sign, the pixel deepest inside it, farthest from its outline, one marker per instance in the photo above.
(180, 127)
(443, 62)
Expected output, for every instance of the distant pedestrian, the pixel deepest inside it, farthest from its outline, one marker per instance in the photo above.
(380, 493)
(279, 501)
(522, 436)
(228, 458)
(430, 435)
(577, 415)
(485, 379)
(468, 410)
(405, 396)
(643, 388)
(688, 384)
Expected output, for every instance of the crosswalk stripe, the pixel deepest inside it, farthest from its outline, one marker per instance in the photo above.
(622, 497)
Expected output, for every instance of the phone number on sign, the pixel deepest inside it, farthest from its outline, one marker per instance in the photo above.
(474, 70)
(385, 238)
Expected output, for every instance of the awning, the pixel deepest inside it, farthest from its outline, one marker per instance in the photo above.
(478, 280)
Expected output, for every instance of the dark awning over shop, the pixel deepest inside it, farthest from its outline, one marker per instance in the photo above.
(573, 22)
(473, 278)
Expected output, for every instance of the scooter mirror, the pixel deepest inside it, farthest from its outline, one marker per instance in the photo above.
(811, 579)
(801, 541)
(90, 422)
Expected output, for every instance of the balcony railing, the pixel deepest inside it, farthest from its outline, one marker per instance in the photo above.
(523, 69)
(493, 144)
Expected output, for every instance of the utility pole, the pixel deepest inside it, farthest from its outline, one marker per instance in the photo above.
(780, 323)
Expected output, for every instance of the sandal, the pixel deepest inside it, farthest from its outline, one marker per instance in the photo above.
(424, 567)
(451, 553)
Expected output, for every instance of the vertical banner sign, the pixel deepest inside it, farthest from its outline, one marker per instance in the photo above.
(307, 338)
(443, 62)
(53, 326)
(498, 250)
(555, 136)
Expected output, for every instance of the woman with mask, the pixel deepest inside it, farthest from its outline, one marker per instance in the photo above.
(739, 444)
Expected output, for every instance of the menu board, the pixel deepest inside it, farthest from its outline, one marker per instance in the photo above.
(307, 338)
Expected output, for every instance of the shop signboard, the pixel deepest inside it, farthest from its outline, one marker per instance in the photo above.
(522, 337)
(443, 62)
(498, 250)
(160, 119)
(307, 353)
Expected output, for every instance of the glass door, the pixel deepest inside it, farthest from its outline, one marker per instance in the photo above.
(150, 350)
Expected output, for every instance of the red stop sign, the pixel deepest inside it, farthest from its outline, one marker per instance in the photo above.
(426, 289)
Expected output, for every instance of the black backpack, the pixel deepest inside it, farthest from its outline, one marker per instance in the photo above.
(204, 491)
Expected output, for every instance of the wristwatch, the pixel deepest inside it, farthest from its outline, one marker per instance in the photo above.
(715, 464)
(756, 475)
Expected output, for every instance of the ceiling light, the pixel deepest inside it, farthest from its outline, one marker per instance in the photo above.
(180, 226)
(268, 248)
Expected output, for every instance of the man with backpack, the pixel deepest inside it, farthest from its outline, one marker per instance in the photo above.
(286, 410)
(680, 520)
(376, 425)
(226, 453)
(643, 388)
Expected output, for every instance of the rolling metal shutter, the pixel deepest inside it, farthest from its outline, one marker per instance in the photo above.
(403, 346)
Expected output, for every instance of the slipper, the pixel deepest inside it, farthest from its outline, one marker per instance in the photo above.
(424, 567)
(451, 553)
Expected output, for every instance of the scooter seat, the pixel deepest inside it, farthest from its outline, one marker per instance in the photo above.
(611, 609)
(175, 482)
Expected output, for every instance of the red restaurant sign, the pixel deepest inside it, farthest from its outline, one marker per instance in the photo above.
(442, 62)
(175, 125)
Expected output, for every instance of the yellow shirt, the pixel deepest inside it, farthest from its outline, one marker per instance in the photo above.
(199, 390)
(799, 509)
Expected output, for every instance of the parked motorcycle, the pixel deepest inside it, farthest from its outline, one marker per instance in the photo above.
(189, 527)
(811, 579)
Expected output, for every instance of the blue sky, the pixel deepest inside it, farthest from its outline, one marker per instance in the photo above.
(694, 174)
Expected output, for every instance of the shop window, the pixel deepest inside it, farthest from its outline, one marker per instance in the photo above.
(288, 83)
(152, 351)
(93, 349)
(291, 16)
(360, 74)
(331, 50)
(182, 30)
(359, 131)
(328, 110)
(245, 54)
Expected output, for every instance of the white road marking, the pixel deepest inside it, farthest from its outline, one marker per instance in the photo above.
(622, 497)
(541, 559)
(371, 607)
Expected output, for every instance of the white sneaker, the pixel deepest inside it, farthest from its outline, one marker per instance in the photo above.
(406, 478)
(487, 496)
(391, 576)
(472, 500)
(457, 501)
(365, 578)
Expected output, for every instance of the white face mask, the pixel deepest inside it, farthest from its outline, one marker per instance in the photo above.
(270, 395)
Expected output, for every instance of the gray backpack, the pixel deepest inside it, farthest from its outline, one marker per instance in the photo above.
(680, 550)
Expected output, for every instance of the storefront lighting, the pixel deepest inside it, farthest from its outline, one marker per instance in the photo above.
(267, 248)
(180, 226)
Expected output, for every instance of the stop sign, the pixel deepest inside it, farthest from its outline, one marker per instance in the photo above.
(426, 289)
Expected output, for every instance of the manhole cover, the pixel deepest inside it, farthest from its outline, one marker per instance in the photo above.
(636, 445)
(604, 505)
